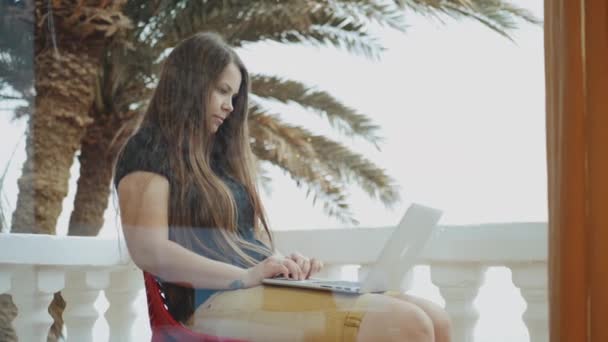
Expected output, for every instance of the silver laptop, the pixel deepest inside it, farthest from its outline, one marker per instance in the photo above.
(397, 257)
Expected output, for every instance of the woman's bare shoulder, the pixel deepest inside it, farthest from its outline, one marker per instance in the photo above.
(143, 183)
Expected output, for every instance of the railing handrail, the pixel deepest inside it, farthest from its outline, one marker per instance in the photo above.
(498, 243)
(490, 243)
(44, 249)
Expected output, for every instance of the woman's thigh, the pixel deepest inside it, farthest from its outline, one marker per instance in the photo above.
(268, 313)
(440, 318)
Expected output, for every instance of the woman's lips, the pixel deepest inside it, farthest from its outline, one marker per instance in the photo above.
(218, 119)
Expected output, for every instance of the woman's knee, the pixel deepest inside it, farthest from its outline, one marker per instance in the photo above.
(398, 321)
(443, 326)
(440, 318)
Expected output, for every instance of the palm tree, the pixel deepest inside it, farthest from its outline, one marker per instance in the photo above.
(128, 71)
(69, 40)
(322, 165)
(65, 71)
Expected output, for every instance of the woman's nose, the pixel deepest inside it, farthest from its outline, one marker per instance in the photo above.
(228, 106)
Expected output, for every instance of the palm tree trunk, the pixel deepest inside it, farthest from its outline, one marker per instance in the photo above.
(64, 95)
(64, 88)
(93, 184)
(96, 160)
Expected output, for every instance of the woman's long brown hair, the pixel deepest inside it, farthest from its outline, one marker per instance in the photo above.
(199, 199)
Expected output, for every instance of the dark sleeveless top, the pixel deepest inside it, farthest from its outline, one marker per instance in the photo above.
(143, 153)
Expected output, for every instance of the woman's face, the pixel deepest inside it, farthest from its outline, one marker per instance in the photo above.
(219, 102)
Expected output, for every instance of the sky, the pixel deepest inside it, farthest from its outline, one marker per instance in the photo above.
(461, 110)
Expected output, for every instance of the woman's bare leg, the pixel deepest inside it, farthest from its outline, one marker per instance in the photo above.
(391, 319)
(441, 320)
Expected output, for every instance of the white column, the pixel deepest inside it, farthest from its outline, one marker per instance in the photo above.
(81, 291)
(330, 271)
(532, 280)
(363, 272)
(5, 279)
(122, 292)
(407, 281)
(33, 290)
(459, 285)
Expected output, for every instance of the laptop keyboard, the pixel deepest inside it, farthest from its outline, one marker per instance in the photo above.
(338, 283)
(324, 281)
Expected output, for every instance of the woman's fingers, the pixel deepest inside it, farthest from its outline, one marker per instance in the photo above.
(294, 269)
(307, 266)
(315, 266)
(284, 271)
(277, 267)
(306, 269)
(303, 262)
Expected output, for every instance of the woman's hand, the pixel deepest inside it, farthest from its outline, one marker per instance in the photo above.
(272, 267)
(308, 266)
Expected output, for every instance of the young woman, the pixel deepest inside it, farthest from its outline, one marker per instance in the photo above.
(192, 216)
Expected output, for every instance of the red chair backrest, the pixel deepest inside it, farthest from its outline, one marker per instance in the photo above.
(164, 327)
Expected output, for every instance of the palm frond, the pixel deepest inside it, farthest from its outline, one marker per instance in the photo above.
(381, 12)
(498, 15)
(273, 141)
(352, 167)
(16, 46)
(317, 160)
(341, 117)
(62, 22)
(355, 42)
(297, 22)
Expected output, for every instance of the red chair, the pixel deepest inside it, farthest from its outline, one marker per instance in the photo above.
(164, 327)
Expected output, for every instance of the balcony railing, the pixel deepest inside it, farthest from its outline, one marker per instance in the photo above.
(33, 267)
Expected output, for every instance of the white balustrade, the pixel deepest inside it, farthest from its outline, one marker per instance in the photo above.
(5, 279)
(33, 290)
(331, 271)
(459, 285)
(532, 280)
(34, 267)
(125, 285)
(32, 270)
(80, 294)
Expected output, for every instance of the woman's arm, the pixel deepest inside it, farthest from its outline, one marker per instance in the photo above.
(144, 205)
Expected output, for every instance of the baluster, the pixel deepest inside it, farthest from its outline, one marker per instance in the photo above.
(33, 290)
(81, 291)
(5, 279)
(363, 271)
(122, 292)
(459, 286)
(531, 279)
(408, 280)
(330, 271)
